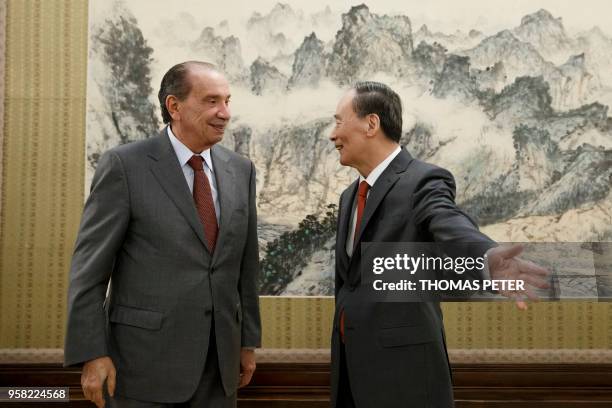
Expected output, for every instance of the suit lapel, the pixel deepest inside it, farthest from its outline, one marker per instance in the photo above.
(383, 185)
(170, 176)
(225, 178)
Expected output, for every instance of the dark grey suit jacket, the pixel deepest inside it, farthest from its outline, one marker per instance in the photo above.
(396, 353)
(140, 229)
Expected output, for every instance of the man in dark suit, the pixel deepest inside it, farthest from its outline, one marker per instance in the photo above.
(388, 355)
(171, 223)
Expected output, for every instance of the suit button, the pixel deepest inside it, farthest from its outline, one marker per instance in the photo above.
(208, 312)
(212, 270)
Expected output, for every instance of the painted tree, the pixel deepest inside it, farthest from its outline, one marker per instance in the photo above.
(127, 59)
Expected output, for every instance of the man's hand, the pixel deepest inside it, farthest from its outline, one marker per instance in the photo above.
(95, 372)
(247, 366)
(505, 264)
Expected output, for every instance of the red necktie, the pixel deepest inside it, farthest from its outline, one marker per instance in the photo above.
(202, 196)
(362, 195)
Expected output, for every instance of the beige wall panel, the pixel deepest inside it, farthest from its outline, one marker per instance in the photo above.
(42, 193)
(2, 73)
(42, 189)
(306, 323)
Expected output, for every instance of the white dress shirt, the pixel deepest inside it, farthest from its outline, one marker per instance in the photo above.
(183, 154)
(371, 179)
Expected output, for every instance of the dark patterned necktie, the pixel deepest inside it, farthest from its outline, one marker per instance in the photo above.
(202, 195)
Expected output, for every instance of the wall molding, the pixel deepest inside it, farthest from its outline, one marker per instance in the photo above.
(277, 385)
(322, 356)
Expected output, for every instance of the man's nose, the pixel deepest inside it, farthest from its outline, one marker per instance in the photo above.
(224, 112)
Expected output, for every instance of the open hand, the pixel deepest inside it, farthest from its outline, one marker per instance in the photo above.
(505, 264)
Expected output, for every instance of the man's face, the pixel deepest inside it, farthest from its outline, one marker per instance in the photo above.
(349, 134)
(205, 112)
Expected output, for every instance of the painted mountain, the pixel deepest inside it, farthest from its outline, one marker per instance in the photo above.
(519, 116)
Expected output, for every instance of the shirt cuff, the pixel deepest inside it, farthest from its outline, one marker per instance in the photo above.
(486, 273)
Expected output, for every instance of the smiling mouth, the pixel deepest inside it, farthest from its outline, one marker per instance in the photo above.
(220, 128)
(339, 147)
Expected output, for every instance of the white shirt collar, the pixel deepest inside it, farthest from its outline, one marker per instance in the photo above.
(183, 153)
(378, 170)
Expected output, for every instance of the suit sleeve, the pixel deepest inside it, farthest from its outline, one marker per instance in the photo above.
(103, 225)
(249, 275)
(438, 216)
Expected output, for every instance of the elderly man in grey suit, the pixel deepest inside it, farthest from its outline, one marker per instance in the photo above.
(171, 222)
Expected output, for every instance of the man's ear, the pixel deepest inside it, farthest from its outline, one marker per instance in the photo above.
(373, 124)
(172, 104)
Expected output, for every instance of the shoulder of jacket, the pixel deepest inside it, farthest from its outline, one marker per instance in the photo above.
(235, 158)
(137, 147)
(419, 168)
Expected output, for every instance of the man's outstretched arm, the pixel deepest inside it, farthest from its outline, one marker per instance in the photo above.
(436, 210)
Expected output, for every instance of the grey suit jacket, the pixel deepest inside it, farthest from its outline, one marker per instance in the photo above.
(395, 352)
(140, 229)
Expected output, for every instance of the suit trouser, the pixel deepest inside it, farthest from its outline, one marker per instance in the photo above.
(208, 394)
(345, 395)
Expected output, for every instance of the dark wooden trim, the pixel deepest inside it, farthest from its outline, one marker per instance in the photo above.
(293, 385)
